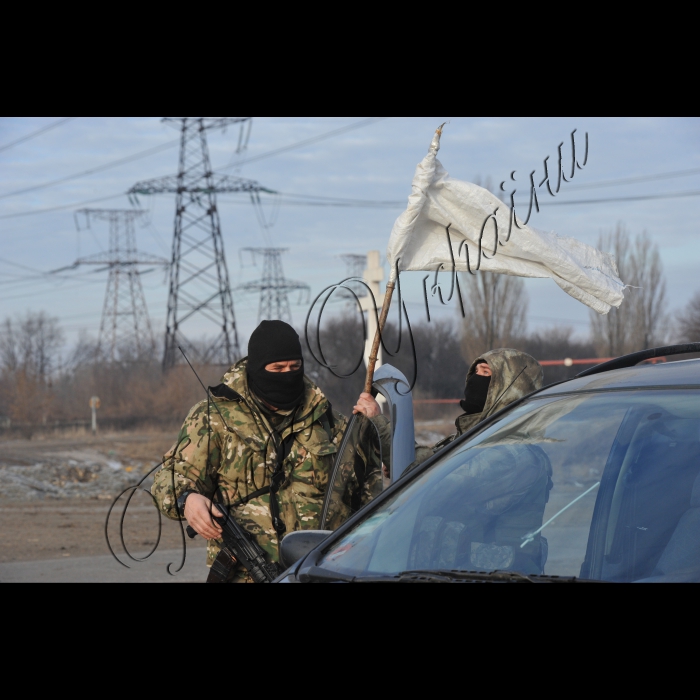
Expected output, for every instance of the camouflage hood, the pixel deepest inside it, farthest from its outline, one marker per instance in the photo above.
(314, 405)
(514, 374)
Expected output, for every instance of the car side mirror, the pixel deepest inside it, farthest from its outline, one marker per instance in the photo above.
(298, 544)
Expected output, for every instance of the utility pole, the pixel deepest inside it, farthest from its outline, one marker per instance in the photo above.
(125, 327)
(94, 405)
(273, 287)
(199, 281)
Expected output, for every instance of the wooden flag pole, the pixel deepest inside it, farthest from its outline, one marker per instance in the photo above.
(377, 337)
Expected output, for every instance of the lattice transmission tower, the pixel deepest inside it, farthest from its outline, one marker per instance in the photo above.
(125, 328)
(273, 287)
(355, 266)
(199, 281)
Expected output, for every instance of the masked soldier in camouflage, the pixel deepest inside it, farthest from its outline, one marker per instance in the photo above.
(266, 419)
(512, 482)
(494, 380)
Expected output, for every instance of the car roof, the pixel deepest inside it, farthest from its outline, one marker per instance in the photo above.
(683, 373)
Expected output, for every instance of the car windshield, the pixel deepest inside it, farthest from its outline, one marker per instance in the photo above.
(600, 485)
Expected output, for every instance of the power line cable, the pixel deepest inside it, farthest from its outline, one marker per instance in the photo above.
(633, 180)
(321, 201)
(42, 274)
(96, 314)
(268, 154)
(98, 169)
(314, 201)
(559, 320)
(329, 202)
(65, 289)
(349, 200)
(155, 234)
(34, 134)
(31, 212)
(631, 198)
(305, 142)
(152, 229)
(22, 267)
(38, 280)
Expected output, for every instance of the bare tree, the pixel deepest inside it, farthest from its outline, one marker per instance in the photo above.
(495, 309)
(86, 352)
(689, 321)
(640, 322)
(648, 301)
(31, 344)
(341, 344)
(610, 333)
(558, 343)
(29, 355)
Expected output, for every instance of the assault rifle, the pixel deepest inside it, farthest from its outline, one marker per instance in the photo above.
(239, 546)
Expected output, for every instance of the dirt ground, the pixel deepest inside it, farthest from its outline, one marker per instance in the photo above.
(55, 493)
(75, 528)
(138, 447)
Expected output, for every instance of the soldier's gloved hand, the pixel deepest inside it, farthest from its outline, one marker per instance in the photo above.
(367, 406)
(198, 512)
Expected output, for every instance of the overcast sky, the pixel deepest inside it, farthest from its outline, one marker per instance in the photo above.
(374, 162)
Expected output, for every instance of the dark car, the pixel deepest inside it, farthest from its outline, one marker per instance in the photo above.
(592, 479)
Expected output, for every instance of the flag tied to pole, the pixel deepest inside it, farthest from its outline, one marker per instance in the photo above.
(464, 227)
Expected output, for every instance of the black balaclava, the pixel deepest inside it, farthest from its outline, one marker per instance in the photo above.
(475, 393)
(275, 341)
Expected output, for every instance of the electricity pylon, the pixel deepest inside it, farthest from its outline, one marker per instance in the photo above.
(273, 287)
(199, 281)
(355, 266)
(355, 263)
(125, 326)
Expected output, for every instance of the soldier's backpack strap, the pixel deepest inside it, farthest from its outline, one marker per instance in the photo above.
(278, 475)
(260, 492)
(328, 422)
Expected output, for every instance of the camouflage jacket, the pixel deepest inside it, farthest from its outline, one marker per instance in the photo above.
(226, 450)
(514, 374)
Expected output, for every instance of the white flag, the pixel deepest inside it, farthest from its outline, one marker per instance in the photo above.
(479, 224)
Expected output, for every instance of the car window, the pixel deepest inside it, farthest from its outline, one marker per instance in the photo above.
(599, 485)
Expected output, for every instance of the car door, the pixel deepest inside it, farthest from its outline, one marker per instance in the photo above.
(647, 520)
